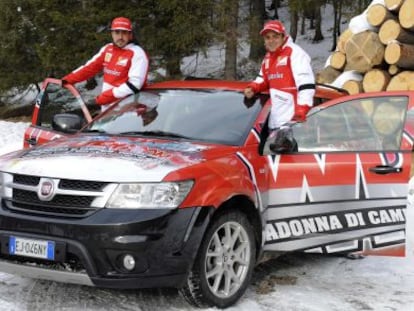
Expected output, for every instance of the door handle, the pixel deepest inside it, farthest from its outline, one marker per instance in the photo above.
(385, 169)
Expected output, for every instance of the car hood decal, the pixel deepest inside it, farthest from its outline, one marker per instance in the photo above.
(105, 158)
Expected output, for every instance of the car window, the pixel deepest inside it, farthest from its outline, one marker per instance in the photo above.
(369, 124)
(205, 115)
(56, 100)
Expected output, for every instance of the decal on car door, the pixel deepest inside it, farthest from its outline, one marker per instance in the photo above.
(346, 189)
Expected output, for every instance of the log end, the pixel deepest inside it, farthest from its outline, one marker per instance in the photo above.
(376, 14)
(389, 31)
(392, 53)
(353, 87)
(406, 15)
(375, 80)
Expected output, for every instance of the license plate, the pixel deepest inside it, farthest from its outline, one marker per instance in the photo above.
(32, 248)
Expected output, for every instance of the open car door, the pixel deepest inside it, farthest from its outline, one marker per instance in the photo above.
(54, 99)
(344, 190)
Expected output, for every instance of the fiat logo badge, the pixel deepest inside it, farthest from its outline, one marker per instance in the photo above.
(46, 189)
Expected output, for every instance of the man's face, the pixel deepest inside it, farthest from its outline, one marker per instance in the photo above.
(273, 40)
(121, 37)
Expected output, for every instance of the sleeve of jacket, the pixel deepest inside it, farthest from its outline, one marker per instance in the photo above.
(137, 77)
(89, 69)
(303, 75)
(260, 84)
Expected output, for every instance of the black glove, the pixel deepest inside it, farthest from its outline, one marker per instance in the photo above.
(283, 140)
(92, 103)
(249, 102)
(92, 106)
(91, 84)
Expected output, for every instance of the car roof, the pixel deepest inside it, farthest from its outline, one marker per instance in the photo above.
(322, 90)
(200, 84)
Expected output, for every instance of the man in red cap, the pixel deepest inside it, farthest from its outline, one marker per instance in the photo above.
(124, 65)
(287, 73)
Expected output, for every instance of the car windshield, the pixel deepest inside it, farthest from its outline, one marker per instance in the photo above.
(201, 115)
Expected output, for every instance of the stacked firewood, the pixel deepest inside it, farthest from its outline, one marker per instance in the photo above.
(379, 58)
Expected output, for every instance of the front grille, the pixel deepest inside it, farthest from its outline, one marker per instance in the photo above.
(58, 200)
(73, 198)
(26, 180)
(81, 185)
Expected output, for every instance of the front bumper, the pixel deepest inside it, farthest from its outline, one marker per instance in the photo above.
(89, 250)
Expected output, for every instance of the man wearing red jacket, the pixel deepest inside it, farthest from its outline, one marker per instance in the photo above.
(287, 73)
(124, 65)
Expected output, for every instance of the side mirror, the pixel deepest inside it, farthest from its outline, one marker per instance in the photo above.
(67, 122)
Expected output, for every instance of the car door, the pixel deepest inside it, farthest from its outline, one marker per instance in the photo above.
(345, 189)
(53, 99)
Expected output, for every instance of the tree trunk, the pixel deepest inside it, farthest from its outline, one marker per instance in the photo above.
(375, 80)
(377, 14)
(318, 22)
(257, 49)
(294, 17)
(274, 6)
(400, 54)
(337, 8)
(173, 67)
(230, 62)
(302, 25)
(406, 15)
(391, 30)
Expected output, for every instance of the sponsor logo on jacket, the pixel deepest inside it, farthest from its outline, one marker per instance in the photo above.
(112, 72)
(122, 61)
(274, 76)
(282, 61)
(108, 57)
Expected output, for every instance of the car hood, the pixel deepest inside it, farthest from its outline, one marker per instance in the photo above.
(108, 158)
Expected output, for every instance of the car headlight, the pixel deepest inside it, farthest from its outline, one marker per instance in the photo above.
(150, 195)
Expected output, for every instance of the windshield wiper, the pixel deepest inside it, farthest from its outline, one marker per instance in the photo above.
(93, 131)
(155, 133)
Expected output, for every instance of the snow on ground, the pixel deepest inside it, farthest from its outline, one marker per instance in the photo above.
(11, 136)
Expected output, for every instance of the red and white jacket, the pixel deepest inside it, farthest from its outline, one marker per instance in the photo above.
(124, 69)
(288, 75)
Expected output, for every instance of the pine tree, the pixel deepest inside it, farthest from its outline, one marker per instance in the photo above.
(174, 29)
(18, 58)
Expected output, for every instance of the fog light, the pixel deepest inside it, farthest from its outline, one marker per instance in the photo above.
(129, 262)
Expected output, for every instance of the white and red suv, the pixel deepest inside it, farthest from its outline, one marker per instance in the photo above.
(169, 188)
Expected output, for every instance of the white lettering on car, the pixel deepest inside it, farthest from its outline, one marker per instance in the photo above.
(300, 227)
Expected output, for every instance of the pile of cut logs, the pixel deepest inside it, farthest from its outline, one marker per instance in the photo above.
(381, 57)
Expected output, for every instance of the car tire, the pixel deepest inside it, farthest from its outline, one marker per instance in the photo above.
(224, 264)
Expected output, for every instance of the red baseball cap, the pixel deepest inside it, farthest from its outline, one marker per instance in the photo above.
(121, 23)
(275, 26)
